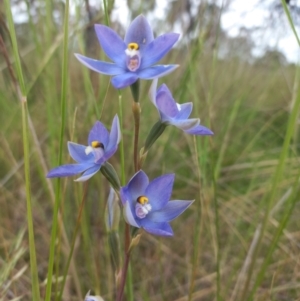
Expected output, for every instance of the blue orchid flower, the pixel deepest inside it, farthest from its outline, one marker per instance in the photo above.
(101, 146)
(147, 205)
(172, 113)
(134, 57)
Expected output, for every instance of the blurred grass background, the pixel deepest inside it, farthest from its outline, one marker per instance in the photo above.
(247, 101)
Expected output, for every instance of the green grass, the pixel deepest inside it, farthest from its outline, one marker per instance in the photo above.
(240, 238)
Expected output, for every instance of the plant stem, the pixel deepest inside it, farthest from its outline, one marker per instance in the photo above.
(19, 84)
(122, 158)
(126, 263)
(73, 241)
(106, 13)
(136, 110)
(198, 228)
(62, 129)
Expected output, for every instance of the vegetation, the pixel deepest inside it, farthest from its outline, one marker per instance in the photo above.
(240, 238)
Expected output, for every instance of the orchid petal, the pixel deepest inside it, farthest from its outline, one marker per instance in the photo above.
(108, 153)
(113, 46)
(135, 188)
(137, 185)
(185, 110)
(125, 195)
(157, 49)
(124, 80)
(115, 133)
(99, 133)
(77, 152)
(166, 104)
(152, 91)
(139, 32)
(185, 124)
(199, 130)
(175, 114)
(68, 170)
(164, 88)
(99, 66)
(159, 191)
(161, 229)
(112, 214)
(156, 71)
(128, 215)
(88, 173)
(169, 212)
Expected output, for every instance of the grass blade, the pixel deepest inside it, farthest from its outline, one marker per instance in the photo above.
(62, 129)
(21, 90)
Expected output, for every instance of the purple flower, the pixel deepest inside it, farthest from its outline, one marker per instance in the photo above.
(101, 146)
(134, 57)
(147, 205)
(174, 113)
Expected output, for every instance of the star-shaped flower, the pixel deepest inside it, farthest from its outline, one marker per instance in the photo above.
(101, 146)
(134, 57)
(174, 113)
(147, 205)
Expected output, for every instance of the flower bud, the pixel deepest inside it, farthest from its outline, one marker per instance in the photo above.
(110, 174)
(112, 212)
(112, 218)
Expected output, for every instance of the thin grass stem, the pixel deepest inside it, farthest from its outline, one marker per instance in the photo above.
(199, 227)
(78, 221)
(106, 13)
(62, 129)
(21, 91)
(122, 156)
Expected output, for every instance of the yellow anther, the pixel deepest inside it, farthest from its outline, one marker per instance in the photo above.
(133, 46)
(142, 200)
(96, 144)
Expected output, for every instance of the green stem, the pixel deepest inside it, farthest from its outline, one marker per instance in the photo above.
(287, 12)
(73, 241)
(33, 263)
(21, 91)
(62, 129)
(136, 115)
(126, 268)
(218, 253)
(124, 271)
(106, 13)
(215, 197)
(198, 228)
(21, 84)
(136, 110)
(122, 157)
(129, 286)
